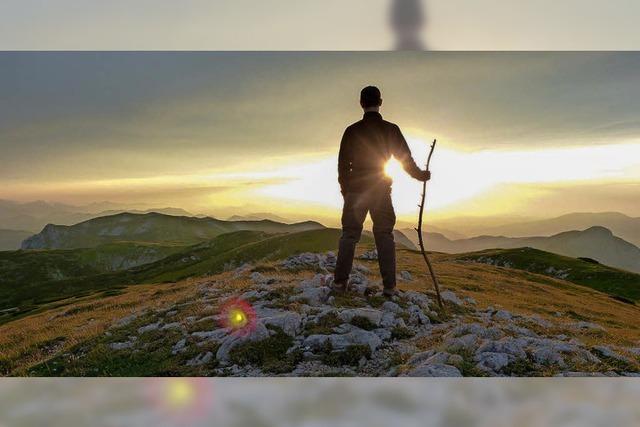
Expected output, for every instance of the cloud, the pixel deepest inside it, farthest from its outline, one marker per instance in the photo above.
(79, 118)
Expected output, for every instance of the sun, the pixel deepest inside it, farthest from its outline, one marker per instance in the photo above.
(393, 169)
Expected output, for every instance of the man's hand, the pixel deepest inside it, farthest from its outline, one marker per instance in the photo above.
(426, 176)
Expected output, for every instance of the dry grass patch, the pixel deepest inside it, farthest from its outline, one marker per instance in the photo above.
(31, 340)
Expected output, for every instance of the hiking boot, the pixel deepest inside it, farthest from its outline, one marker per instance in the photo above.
(339, 288)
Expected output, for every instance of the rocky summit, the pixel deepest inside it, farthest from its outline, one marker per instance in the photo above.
(299, 327)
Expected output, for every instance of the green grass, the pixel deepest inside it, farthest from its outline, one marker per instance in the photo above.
(401, 333)
(269, 354)
(620, 284)
(30, 294)
(23, 273)
(324, 325)
(363, 323)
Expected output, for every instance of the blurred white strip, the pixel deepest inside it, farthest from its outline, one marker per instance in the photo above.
(317, 25)
(590, 402)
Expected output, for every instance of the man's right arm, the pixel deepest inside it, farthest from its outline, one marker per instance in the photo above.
(344, 161)
(402, 153)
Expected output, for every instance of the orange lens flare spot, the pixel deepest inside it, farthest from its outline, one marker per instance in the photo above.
(239, 316)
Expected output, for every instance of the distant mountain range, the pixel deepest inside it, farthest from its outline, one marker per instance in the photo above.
(259, 216)
(32, 216)
(623, 226)
(597, 243)
(150, 228)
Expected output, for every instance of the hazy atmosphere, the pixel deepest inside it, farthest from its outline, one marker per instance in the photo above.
(528, 134)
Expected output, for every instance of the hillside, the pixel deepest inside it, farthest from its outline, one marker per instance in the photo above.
(11, 240)
(26, 291)
(150, 228)
(18, 268)
(624, 226)
(498, 322)
(620, 284)
(596, 242)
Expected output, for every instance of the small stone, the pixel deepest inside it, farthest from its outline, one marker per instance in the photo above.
(384, 334)
(439, 370)
(179, 347)
(340, 342)
(174, 325)
(470, 300)
(449, 296)
(148, 328)
(290, 322)
(418, 299)
(201, 359)
(388, 319)
(121, 345)
(391, 307)
(371, 255)
(371, 314)
(439, 358)
(467, 342)
(607, 352)
(502, 315)
(588, 326)
(214, 335)
(420, 358)
(492, 362)
(405, 275)
(259, 333)
(258, 278)
(548, 356)
(455, 360)
(126, 320)
(417, 316)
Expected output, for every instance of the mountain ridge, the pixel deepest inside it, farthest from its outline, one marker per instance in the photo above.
(149, 227)
(596, 242)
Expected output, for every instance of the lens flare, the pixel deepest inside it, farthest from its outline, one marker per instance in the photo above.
(181, 400)
(238, 316)
(179, 394)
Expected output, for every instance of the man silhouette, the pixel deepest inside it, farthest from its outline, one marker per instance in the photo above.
(365, 149)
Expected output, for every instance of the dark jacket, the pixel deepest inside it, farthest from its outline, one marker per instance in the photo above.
(366, 147)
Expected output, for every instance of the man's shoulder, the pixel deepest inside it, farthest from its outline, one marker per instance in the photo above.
(362, 123)
(390, 124)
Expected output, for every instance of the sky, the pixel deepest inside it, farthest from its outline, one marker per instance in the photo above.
(316, 25)
(526, 134)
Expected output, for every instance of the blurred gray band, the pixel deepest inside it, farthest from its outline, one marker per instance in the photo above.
(583, 402)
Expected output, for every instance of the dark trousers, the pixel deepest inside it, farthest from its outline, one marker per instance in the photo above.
(377, 202)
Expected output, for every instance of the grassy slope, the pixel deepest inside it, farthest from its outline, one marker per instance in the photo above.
(223, 252)
(618, 283)
(35, 339)
(18, 267)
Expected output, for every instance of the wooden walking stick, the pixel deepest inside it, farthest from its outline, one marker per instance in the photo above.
(420, 238)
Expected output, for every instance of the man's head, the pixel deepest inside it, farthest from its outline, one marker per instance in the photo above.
(370, 98)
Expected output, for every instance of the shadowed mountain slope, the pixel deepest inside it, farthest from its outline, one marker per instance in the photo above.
(150, 228)
(596, 242)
